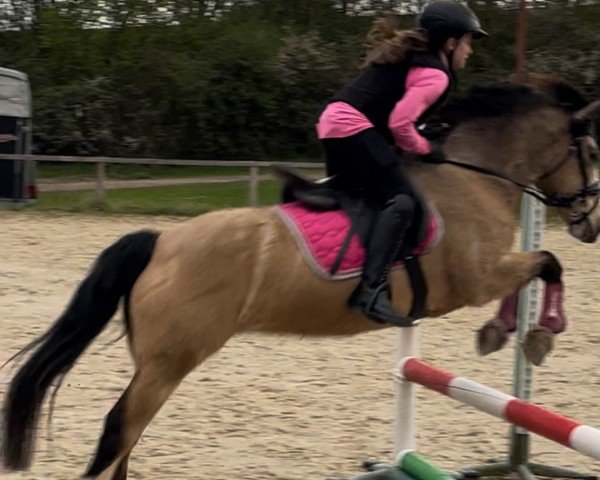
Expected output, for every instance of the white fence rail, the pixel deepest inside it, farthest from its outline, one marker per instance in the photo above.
(253, 178)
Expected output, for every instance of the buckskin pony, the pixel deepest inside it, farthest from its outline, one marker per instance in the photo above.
(189, 289)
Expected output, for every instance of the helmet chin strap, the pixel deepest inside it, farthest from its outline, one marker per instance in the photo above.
(450, 58)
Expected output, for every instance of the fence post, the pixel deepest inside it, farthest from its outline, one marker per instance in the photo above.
(253, 186)
(100, 177)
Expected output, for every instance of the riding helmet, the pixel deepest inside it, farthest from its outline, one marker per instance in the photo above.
(449, 19)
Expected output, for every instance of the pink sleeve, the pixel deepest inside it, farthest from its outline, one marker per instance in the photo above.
(424, 86)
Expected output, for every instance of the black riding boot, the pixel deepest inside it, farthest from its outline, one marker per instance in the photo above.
(372, 297)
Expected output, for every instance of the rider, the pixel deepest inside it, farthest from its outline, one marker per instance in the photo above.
(407, 74)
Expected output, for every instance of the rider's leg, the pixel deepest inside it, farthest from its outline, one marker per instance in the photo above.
(386, 181)
(366, 163)
(372, 296)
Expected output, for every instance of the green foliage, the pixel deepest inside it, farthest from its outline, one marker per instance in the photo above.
(76, 118)
(236, 80)
(565, 41)
(307, 71)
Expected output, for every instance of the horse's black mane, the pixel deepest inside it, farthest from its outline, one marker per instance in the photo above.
(496, 99)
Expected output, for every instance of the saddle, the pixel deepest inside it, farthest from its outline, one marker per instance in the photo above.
(332, 228)
(325, 196)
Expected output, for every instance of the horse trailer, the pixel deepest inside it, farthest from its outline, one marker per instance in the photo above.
(17, 177)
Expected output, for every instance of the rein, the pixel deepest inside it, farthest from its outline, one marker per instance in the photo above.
(551, 199)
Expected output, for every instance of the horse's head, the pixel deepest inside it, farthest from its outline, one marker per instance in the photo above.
(539, 136)
(571, 184)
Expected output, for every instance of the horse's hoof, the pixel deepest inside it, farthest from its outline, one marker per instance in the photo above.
(538, 343)
(491, 337)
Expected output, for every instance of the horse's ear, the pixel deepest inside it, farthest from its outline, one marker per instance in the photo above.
(589, 112)
(569, 98)
(583, 120)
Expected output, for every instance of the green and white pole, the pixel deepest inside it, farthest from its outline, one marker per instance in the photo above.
(533, 218)
(419, 468)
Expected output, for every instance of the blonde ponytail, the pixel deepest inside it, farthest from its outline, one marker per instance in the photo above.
(386, 43)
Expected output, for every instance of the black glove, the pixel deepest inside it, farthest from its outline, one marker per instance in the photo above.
(436, 155)
(434, 130)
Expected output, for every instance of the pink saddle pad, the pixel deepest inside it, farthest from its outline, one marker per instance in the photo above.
(320, 236)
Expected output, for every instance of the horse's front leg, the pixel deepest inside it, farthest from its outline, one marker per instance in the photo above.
(515, 270)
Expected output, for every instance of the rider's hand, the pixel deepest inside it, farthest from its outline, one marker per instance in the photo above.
(436, 154)
(434, 131)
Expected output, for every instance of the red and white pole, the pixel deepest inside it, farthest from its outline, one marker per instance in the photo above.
(533, 418)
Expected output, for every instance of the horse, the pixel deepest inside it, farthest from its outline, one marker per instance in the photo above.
(187, 290)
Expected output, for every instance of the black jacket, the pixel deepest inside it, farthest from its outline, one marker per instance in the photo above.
(377, 89)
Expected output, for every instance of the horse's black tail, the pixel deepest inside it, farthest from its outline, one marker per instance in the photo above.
(56, 351)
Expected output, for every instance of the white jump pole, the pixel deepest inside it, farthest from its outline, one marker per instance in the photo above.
(532, 225)
(405, 437)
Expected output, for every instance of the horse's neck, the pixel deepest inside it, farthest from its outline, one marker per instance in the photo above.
(478, 210)
(521, 147)
(492, 148)
(460, 193)
(453, 184)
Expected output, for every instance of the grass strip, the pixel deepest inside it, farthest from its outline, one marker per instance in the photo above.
(189, 200)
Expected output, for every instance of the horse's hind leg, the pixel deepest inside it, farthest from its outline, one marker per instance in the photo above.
(180, 313)
(159, 372)
(122, 468)
(149, 389)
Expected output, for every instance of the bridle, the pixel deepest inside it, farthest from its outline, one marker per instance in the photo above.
(588, 189)
(550, 199)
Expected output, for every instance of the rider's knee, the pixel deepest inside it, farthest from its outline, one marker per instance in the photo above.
(403, 202)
